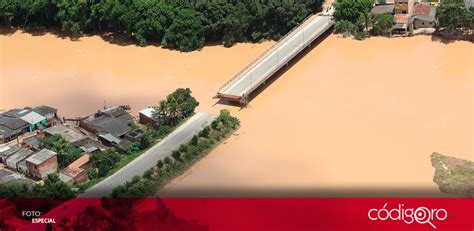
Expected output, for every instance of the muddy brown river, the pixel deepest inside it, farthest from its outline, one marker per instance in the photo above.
(348, 115)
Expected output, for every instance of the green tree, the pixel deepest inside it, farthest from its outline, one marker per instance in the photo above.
(15, 189)
(454, 15)
(186, 32)
(382, 24)
(67, 152)
(53, 188)
(104, 161)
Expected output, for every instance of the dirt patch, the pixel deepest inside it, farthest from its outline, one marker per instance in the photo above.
(453, 175)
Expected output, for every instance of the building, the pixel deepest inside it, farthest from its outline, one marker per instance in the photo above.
(423, 15)
(23, 168)
(66, 133)
(114, 120)
(110, 124)
(34, 119)
(42, 163)
(48, 112)
(7, 151)
(32, 143)
(382, 9)
(145, 116)
(13, 160)
(400, 23)
(11, 127)
(90, 146)
(76, 172)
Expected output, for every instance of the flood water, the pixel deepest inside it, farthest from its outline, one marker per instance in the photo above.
(348, 115)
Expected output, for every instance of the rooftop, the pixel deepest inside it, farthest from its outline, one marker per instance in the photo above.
(110, 138)
(381, 9)
(148, 112)
(32, 117)
(8, 150)
(424, 11)
(33, 142)
(89, 145)
(19, 155)
(12, 123)
(75, 167)
(117, 126)
(41, 156)
(45, 110)
(401, 18)
(66, 133)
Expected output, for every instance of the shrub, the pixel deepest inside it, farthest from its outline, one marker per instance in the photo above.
(176, 155)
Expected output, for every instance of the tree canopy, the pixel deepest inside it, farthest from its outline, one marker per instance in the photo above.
(176, 106)
(67, 152)
(183, 25)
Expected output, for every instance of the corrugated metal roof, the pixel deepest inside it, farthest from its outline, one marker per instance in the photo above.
(41, 156)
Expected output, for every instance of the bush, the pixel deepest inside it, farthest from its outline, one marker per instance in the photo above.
(183, 148)
(194, 140)
(164, 130)
(176, 155)
(185, 157)
(160, 163)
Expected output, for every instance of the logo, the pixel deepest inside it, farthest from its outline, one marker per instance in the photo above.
(420, 215)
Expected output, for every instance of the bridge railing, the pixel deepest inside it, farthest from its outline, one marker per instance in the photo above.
(298, 26)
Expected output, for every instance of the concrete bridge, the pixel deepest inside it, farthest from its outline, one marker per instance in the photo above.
(256, 73)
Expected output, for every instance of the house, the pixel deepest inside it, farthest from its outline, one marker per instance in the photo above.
(6, 152)
(13, 160)
(400, 23)
(48, 112)
(382, 9)
(90, 146)
(32, 143)
(423, 15)
(145, 116)
(11, 127)
(66, 133)
(114, 120)
(42, 163)
(34, 119)
(76, 172)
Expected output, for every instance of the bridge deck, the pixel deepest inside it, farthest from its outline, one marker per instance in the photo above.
(262, 68)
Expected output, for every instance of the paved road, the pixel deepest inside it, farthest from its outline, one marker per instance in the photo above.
(277, 56)
(147, 160)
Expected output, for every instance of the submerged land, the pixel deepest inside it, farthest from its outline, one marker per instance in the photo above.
(453, 175)
(348, 114)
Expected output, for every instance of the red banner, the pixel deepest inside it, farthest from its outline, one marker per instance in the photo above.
(238, 214)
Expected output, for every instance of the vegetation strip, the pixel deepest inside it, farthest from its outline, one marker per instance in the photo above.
(183, 25)
(182, 159)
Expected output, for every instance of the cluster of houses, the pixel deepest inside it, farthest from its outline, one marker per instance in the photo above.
(408, 14)
(22, 156)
